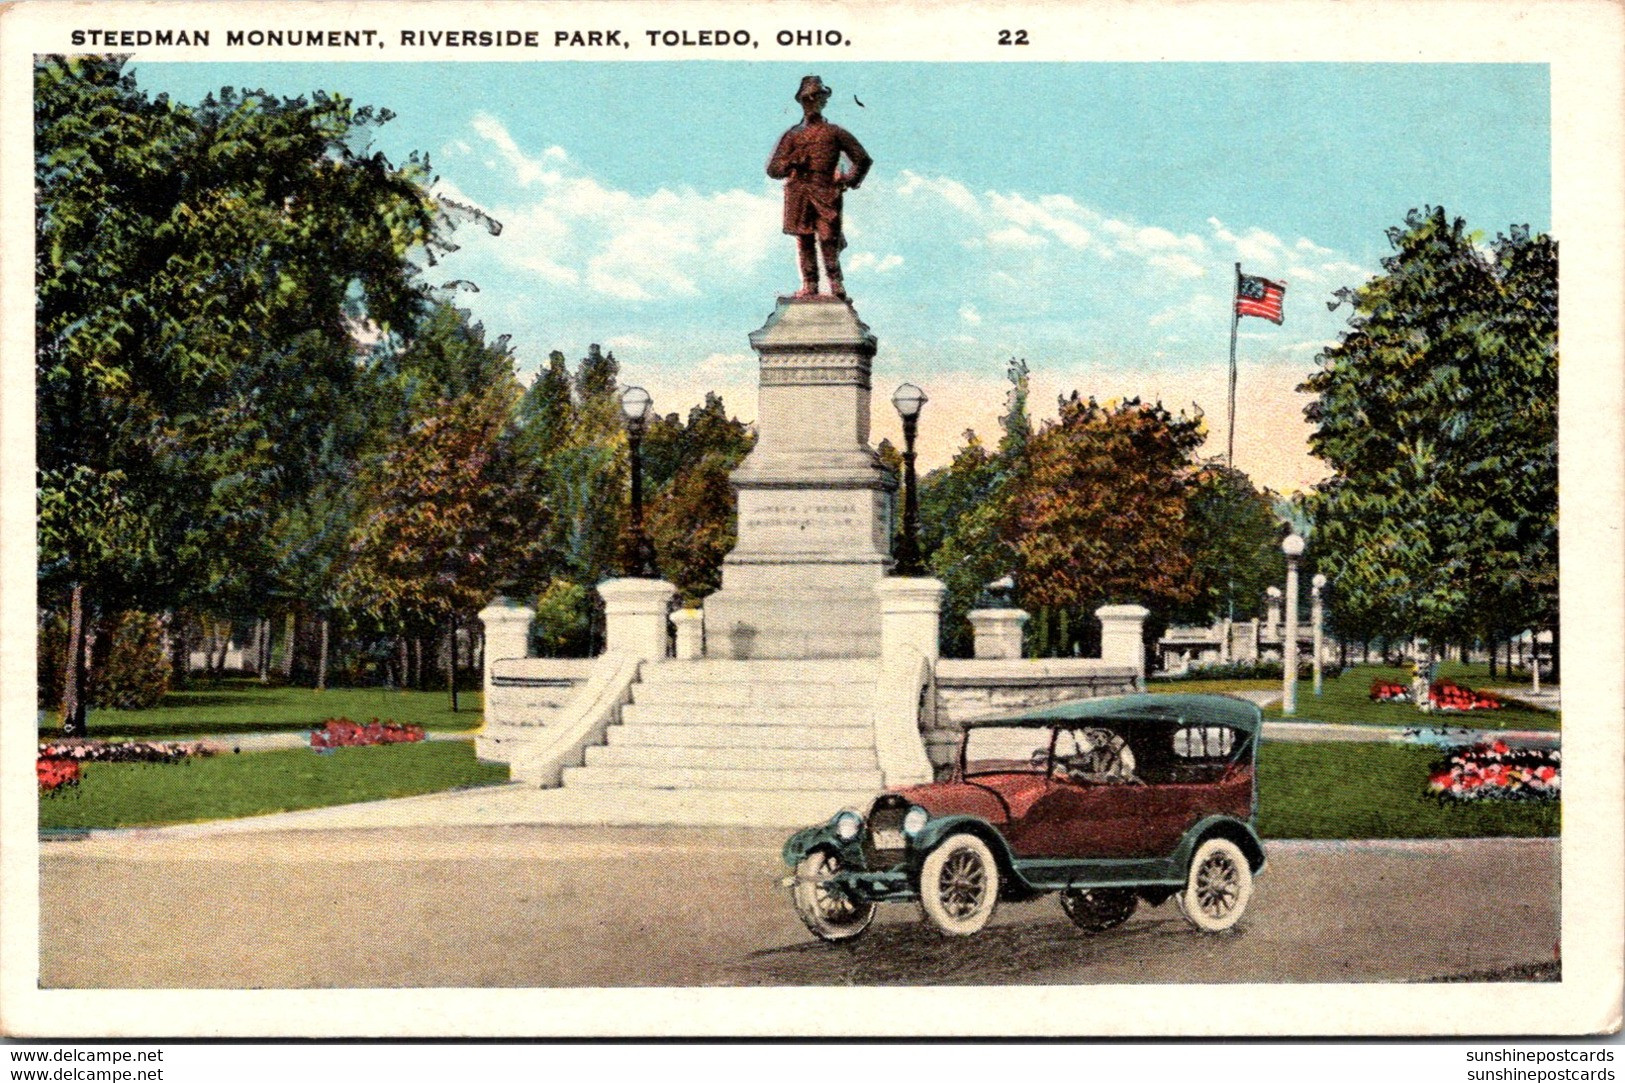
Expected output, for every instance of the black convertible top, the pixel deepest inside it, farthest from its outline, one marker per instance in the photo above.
(1184, 708)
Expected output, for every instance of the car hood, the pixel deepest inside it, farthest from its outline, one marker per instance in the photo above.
(980, 798)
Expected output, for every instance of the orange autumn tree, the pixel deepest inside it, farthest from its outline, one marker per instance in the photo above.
(1098, 512)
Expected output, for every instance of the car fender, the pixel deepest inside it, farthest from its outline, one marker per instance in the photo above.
(1238, 831)
(936, 830)
(818, 837)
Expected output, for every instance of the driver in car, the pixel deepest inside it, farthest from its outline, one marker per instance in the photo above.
(1093, 755)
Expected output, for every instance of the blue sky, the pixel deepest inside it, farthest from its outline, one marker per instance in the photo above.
(1086, 217)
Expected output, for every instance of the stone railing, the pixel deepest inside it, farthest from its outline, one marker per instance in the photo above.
(969, 688)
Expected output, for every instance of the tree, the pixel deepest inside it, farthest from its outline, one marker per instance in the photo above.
(692, 518)
(1437, 412)
(1234, 534)
(450, 511)
(200, 271)
(1099, 513)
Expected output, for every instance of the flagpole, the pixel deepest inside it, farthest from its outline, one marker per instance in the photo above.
(1235, 320)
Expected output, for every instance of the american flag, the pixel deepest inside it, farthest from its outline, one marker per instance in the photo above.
(1260, 297)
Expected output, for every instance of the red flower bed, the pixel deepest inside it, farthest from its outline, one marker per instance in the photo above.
(343, 733)
(1447, 695)
(56, 773)
(1389, 692)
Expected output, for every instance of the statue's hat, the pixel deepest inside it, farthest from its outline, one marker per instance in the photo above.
(811, 87)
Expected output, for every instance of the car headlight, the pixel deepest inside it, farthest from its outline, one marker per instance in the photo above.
(915, 820)
(847, 825)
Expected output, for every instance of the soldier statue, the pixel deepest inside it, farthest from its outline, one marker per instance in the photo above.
(808, 160)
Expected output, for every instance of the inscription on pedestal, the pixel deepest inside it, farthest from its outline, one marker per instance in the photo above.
(802, 516)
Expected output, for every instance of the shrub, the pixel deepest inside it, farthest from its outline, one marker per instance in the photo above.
(137, 670)
(343, 733)
(1251, 671)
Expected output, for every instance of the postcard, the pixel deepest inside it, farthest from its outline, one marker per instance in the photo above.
(737, 519)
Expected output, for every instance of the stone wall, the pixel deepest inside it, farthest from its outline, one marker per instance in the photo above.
(978, 688)
(524, 691)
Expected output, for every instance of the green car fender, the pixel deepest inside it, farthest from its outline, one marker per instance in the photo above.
(938, 829)
(821, 837)
(1237, 831)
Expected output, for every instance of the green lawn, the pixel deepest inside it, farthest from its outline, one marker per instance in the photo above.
(1345, 790)
(1347, 698)
(1214, 686)
(223, 787)
(246, 706)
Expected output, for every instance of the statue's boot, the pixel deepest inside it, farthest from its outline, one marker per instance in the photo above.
(832, 266)
(807, 252)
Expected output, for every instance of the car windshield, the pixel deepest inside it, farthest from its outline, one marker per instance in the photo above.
(1000, 749)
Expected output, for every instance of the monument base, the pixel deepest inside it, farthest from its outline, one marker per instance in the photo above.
(784, 607)
(815, 502)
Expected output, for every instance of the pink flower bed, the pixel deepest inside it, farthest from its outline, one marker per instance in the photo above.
(1496, 772)
(343, 733)
(1389, 692)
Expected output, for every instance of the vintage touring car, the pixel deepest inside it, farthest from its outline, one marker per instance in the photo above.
(1107, 801)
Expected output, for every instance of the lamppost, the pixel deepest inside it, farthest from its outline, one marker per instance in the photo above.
(908, 400)
(639, 558)
(1292, 546)
(1317, 617)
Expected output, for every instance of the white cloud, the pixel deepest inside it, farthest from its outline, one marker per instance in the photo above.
(868, 261)
(968, 313)
(1178, 263)
(575, 231)
(1014, 237)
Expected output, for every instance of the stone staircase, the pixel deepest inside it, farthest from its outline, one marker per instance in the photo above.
(769, 738)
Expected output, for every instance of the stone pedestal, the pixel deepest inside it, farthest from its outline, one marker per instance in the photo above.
(507, 634)
(1122, 637)
(689, 625)
(815, 503)
(635, 614)
(997, 631)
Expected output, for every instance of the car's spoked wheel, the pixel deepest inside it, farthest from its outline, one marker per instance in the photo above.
(826, 911)
(1218, 887)
(1102, 908)
(959, 885)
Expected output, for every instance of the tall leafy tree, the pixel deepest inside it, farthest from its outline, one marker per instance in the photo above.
(451, 510)
(199, 273)
(1437, 412)
(1234, 534)
(1099, 514)
(692, 518)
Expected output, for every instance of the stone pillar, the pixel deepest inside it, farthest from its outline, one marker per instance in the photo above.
(690, 625)
(1122, 640)
(635, 617)
(1272, 613)
(507, 634)
(910, 615)
(997, 631)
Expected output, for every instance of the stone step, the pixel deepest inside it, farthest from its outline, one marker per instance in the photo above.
(758, 736)
(761, 671)
(679, 778)
(696, 694)
(669, 714)
(732, 759)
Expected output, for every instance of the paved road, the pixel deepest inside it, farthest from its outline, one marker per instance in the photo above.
(562, 906)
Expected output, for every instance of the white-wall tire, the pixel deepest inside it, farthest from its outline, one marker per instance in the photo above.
(1217, 887)
(827, 913)
(959, 885)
